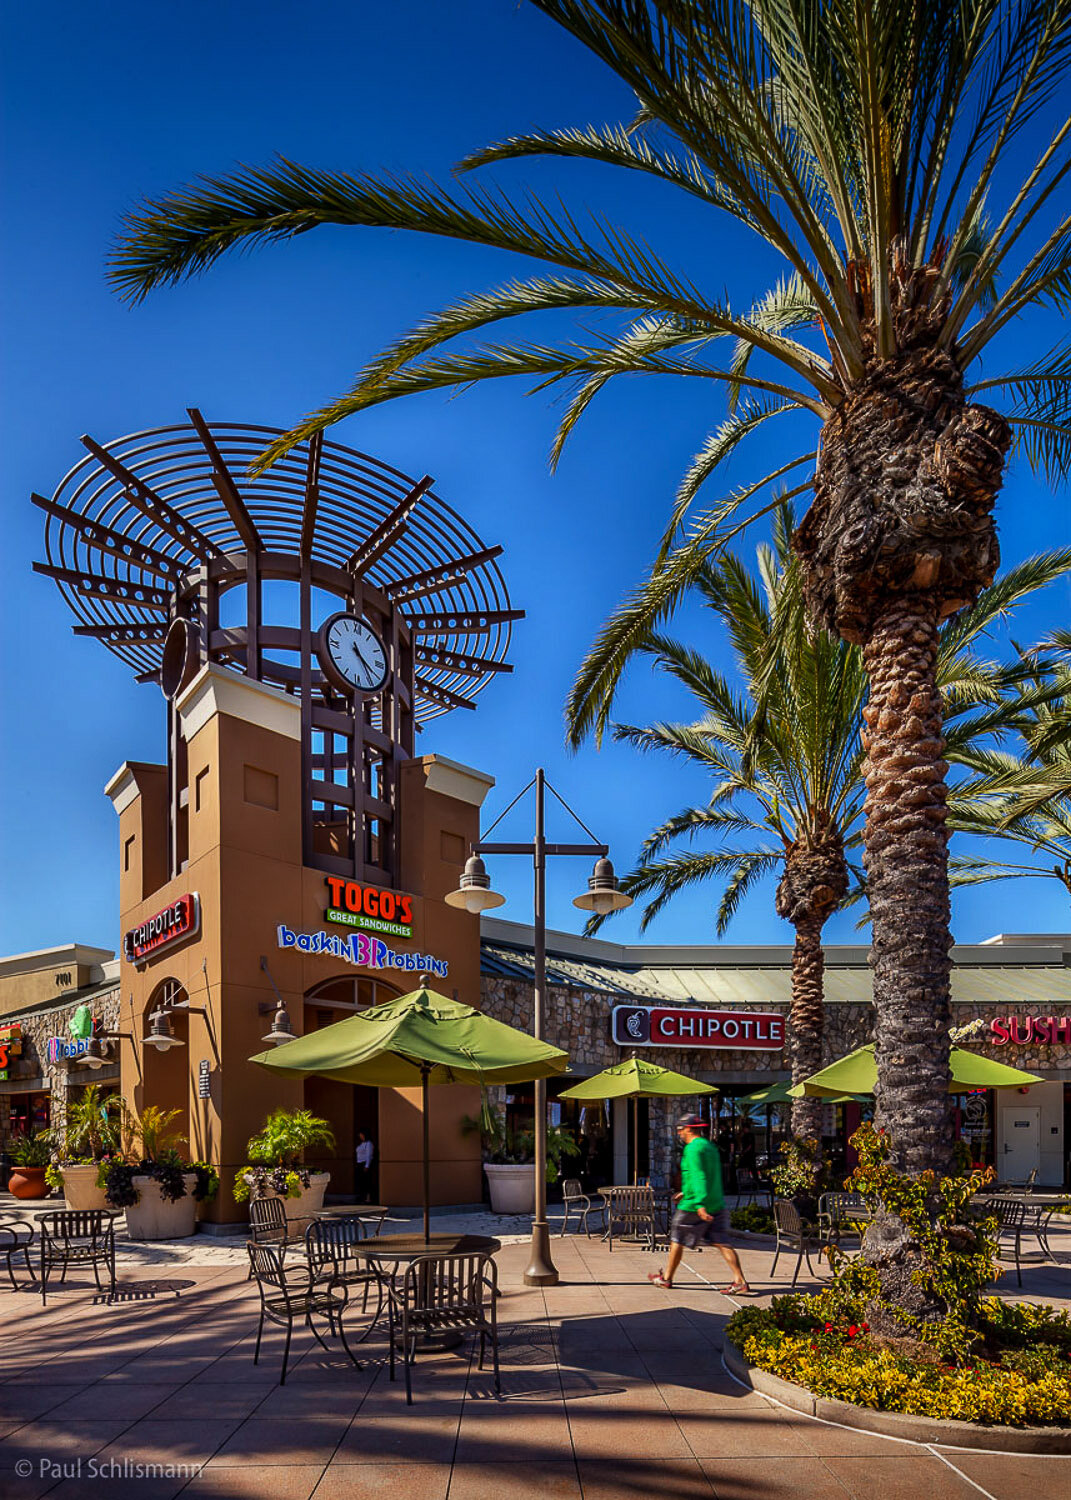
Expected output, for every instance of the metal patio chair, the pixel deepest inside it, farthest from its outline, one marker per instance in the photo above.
(78, 1237)
(443, 1293)
(838, 1214)
(268, 1224)
(16, 1238)
(630, 1213)
(1011, 1220)
(329, 1252)
(791, 1235)
(289, 1294)
(574, 1198)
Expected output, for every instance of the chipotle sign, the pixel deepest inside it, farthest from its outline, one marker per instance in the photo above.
(655, 1026)
(180, 919)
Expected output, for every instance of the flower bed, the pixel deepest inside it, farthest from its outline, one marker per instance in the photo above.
(1019, 1375)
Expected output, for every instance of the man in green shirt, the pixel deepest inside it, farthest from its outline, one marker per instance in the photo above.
(701, 1217)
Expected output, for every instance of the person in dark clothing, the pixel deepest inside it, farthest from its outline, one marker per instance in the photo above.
(701, 1217)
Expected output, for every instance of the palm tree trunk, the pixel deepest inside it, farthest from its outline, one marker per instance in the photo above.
(906, 860)
(805, 1023)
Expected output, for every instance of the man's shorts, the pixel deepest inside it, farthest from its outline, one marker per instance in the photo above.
(690, 1230)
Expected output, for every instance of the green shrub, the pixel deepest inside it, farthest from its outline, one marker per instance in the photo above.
(1012, 1386)
(754, 1218)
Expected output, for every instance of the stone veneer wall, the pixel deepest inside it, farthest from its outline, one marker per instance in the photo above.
(59, 1078)
(578, 1021)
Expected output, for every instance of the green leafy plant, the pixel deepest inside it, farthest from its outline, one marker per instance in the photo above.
(148, 1148)
(286, 1135)
(32, 1149)
(753, 1218)
(503, 1145)
(1022, 1374)
(952, 1251)
(275, 1153)
(93, 1126)
(801, 1172)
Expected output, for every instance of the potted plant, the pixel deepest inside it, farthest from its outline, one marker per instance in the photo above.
(801, 1175)
(91, 1135)
(32, 1154)
(509, 1156)
(275, 1168)
(159, 1190)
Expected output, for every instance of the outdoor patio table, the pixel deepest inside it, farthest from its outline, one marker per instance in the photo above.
(377, 1211)
(396, 1250)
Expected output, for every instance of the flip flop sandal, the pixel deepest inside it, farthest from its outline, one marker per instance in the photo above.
(657, 1279)
(737, 1291)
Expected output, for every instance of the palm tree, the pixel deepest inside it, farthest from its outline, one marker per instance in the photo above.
(1026, 800)
(786, 756)
(869, 149)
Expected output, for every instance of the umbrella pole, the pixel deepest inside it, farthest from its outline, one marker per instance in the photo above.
(635, 1142)
(427, 1171)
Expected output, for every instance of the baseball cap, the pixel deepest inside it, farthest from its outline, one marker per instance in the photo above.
(693, 1122)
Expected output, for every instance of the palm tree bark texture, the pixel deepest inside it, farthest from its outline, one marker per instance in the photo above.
(900, 536)
(812, 886)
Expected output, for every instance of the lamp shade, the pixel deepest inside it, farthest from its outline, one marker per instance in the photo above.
(602, 895)
(474, 894)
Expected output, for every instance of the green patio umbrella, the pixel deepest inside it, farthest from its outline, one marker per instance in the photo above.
(420, 1038)
(858, 1074)
(773, 1093)
(635, 1080)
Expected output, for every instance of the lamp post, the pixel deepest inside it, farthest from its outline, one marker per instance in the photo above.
(602, 896)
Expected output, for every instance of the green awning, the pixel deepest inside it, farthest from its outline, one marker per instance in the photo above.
(773, 1093)
(857, 1074)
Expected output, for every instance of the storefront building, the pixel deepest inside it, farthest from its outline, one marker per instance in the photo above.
(713, 1013)
(42, 1062)
(286, 861)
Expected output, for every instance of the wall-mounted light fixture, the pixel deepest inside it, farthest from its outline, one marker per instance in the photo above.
(281, 1028)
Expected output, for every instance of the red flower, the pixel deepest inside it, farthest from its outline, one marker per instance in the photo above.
(866, 1327)
(814, 1346)
(829, 1327)
(852, 1330)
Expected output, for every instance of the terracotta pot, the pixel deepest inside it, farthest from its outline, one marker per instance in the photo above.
(80, 1188)
(28, 1182)
(512, 1187)
(152, 1217)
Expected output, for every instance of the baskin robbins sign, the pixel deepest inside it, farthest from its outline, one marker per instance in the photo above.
(361, 950)
(658, 1026)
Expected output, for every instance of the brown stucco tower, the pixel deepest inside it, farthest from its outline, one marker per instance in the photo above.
(293, 852)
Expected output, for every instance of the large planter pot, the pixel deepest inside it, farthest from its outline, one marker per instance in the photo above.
(152, 1217)
(309, 1200)
(512, 1187)
(80, 1188)
(28, 1182)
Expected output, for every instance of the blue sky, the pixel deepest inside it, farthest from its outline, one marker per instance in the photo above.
(103, 105)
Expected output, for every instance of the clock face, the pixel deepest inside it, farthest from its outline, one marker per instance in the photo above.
(352, 655)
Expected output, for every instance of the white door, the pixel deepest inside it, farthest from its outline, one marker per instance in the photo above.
(1022, 1142)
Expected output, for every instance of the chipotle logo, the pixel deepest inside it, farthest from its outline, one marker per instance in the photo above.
(179, 920)
(654, 1026)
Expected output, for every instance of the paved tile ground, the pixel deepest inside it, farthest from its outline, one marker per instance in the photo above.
(611, 1390)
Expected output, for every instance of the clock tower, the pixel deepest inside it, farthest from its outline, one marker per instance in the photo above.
(287, 863)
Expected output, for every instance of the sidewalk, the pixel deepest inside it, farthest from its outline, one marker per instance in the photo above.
(612, 1390)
